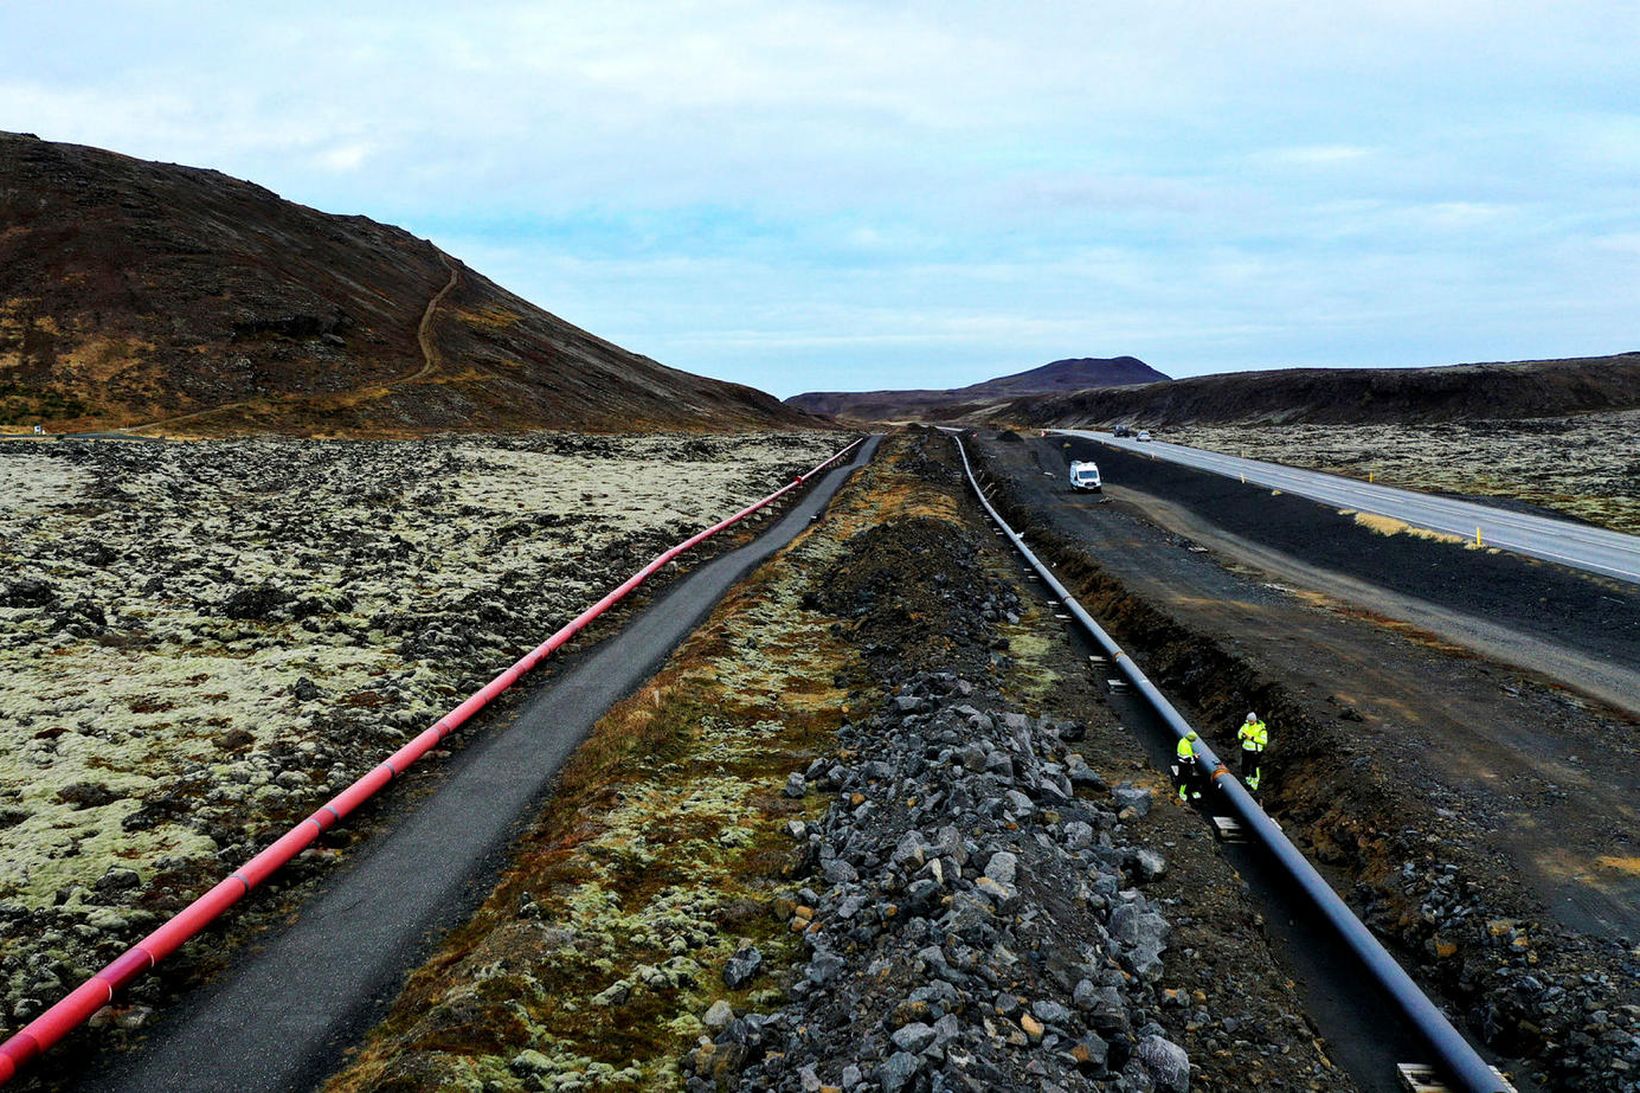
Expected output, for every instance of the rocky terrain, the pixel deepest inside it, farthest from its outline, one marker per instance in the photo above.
(1349, 396)
(1055, 378)
(200, 642)
(1586, 467)
(827, 847)
(975, 925)
(137, 293)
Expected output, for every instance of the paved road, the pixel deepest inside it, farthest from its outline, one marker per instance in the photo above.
(1609, 553)
(281, 1019)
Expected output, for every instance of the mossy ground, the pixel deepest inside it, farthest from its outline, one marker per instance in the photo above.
(146, 724)
(662, 851)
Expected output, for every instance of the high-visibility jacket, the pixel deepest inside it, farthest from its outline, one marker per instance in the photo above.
(1254, 736)
(1186, 751)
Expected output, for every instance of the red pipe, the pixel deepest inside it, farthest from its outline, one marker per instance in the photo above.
(46, 1030)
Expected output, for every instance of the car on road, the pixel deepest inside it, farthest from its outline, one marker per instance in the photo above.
(1122, 430)
(1085, 477)
(1144, 434)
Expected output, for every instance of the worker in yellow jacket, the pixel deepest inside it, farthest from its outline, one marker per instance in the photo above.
(1188, 769)
(1254, 739)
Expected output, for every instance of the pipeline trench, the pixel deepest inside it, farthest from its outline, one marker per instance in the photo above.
(1363, 1033)
(1457, 916)
(1337, 961)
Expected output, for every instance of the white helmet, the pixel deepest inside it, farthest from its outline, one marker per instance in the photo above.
(1252, 717)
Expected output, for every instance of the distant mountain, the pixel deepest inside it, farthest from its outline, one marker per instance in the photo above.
(135, 292)
(1072, 374)
(1458, 392)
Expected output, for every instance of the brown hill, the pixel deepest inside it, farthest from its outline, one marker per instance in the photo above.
(134, 292)
(1073, 374)
(1323, 396)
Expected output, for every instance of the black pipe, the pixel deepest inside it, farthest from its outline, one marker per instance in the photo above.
(1457, 1057)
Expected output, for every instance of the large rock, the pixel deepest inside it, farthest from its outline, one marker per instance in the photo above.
(895, 1074)
(914, 1037)
(911, 852)
(1130, 796)
(1003, 867)
(1142, 935)
(742, 968)
(1167, 1064)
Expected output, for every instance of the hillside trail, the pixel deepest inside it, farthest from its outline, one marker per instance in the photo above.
(431, 359)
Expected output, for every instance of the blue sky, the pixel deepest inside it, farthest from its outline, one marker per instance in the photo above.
(848, 195)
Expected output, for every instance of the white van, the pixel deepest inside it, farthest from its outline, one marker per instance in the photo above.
(1085, 476)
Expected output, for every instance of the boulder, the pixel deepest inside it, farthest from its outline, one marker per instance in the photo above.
(1167, 1064)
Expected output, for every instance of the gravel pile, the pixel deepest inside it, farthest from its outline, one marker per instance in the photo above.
(1532, 993)
(975, 915)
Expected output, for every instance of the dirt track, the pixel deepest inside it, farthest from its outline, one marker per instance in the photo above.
(1490, 771)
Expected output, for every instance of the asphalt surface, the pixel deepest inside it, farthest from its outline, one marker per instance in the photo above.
(1596, 550)
(281, 1018)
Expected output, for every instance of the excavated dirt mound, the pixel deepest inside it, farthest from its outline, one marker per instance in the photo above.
(916, 625)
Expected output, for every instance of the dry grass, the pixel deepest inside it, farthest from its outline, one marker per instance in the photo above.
(1389, 525)
(1586, 467)
(1629, 866)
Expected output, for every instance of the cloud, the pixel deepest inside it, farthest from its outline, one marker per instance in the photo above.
(345, 157)
(1316, 155)
(827, 193)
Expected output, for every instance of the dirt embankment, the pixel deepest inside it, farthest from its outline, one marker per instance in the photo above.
(1564, 1005)
(1351, 396)
(786, 862)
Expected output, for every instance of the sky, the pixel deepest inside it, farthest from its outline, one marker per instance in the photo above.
(804, 195)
